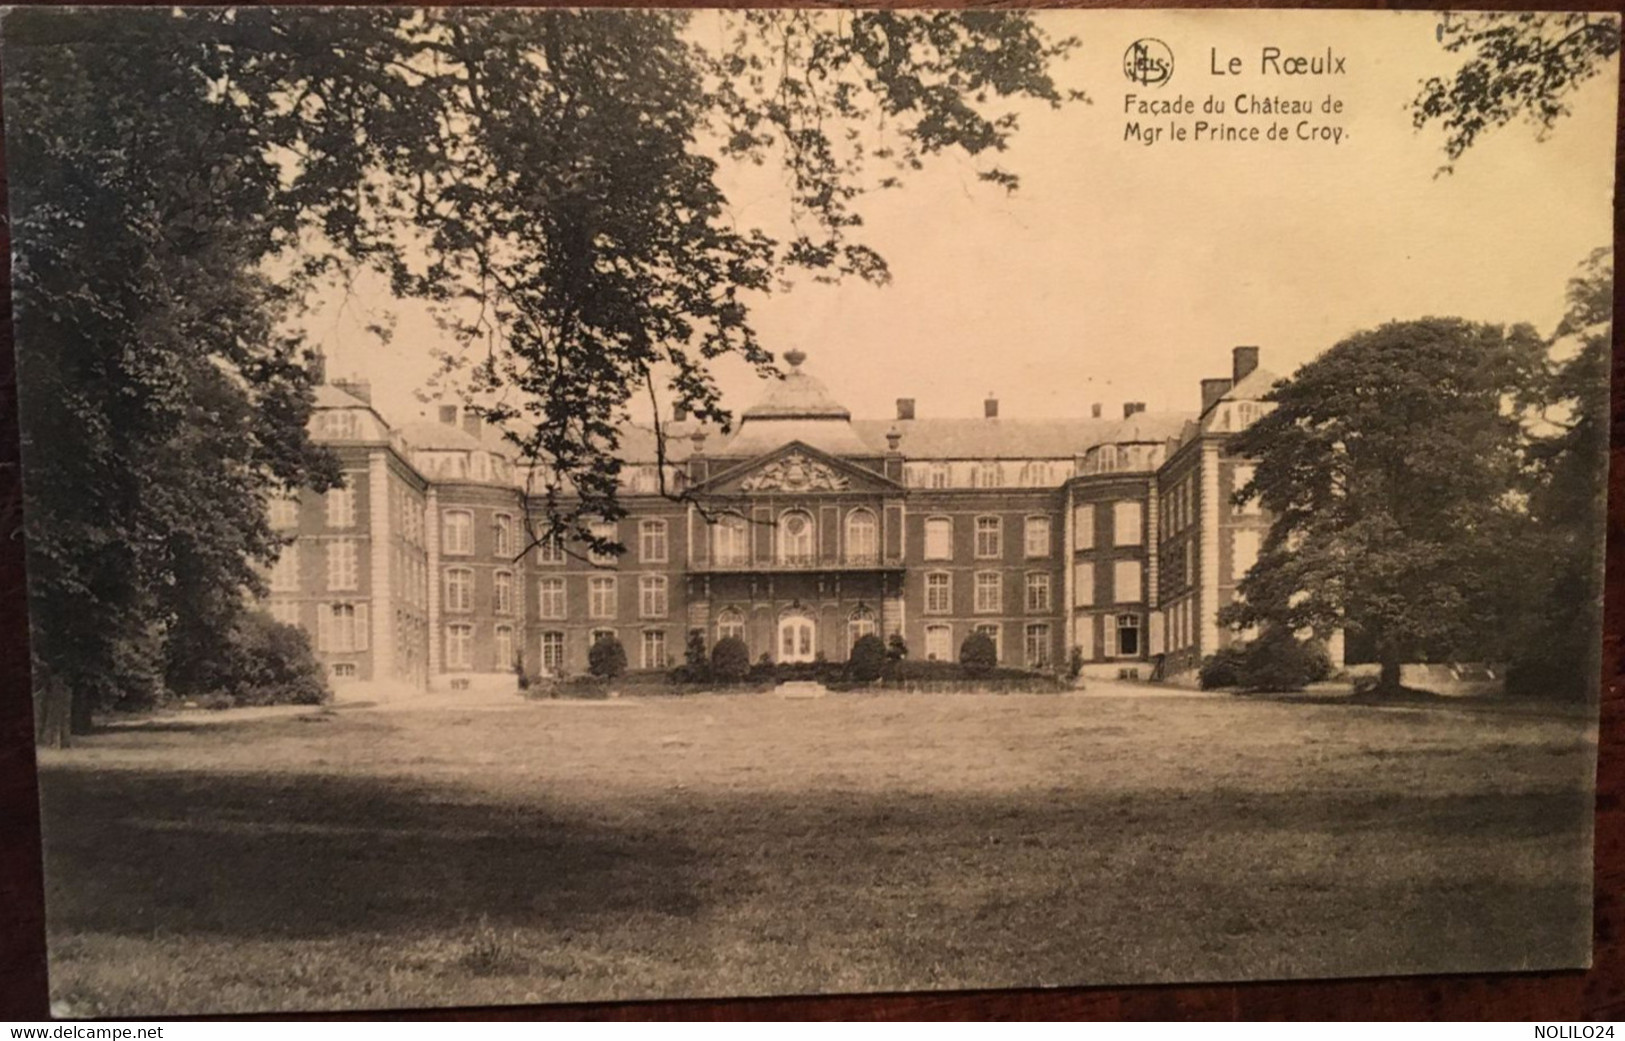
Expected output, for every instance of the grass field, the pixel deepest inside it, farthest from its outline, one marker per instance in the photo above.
(749, 844)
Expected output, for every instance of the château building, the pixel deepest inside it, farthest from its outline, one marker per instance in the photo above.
(800, 531)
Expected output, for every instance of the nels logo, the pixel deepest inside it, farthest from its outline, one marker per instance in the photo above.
(1148, 62)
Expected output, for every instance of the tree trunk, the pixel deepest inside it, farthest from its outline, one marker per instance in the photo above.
(1388, 679)
(80, 716)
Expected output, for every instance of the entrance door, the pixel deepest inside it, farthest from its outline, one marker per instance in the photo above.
(796, 641)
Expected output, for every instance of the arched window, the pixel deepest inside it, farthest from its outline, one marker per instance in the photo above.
(731, 540)
(796, 537)
(862, 537)
(859, 624)
(731, 622)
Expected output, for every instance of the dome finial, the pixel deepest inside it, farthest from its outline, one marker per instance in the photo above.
(795, 356)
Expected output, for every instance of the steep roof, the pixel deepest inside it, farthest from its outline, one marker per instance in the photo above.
(329, 396)
(1147, 428)
(1252, 387)
(433, 436)
(796, 396)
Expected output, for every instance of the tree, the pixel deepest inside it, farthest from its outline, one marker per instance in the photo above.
(182, 179)
(1560, 581)
(978, 655)
(606, 658)
(868, 658)
(730, 660)
(1392, 466)
(1519, 64)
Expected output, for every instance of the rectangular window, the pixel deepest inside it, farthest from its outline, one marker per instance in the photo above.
(1036, 646)
(502, 536)
(284, 513)
(1084, 630)
(459, 589)
(342, 628)
(607, 532)
(457, 532)
(550, 598)
(504, 647)
(1126, 524)
(939, 643)
(989, 475)
(1241, 476)
(1246, 553)
(1083, 526)
(1037, 541)
(1038, 593)
(938, 593)
(460, 646)
(654, 649)
(550, 551)
(989, 592)
(502, 592)
(939, 539)
(1128, 635)
(1126, 582)
(652, 596)
(989, 538)
(939, 475)
(1083, 584)
(342, 572)
(340, 508)
(285, 572)
(652, 542)
(552, 653)
(601, 597)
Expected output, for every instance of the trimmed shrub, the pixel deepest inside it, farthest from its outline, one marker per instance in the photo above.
(896, 649)
(1278, 660)
(867, 660)
(1223, 669)
(977, 655)
(271, 663)
(730, 660)
(607, 658)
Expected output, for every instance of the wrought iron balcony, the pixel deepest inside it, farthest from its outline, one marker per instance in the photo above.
(799, 563)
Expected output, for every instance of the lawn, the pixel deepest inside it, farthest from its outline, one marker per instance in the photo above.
(568, 851)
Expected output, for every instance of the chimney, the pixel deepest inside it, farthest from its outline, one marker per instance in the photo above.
(990, 407)
(1139, 406)
(905, 408)
(1132, 407)
(318, 367)
(471, 423)
(1243, 360)
(448, 415)
(1094, 411)
(1213, 390)
(359, 389)
(679, 412)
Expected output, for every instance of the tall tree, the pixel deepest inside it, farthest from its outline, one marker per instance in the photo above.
(1391, 464)
(1518, 64)
(181, 177)
(1561, 581)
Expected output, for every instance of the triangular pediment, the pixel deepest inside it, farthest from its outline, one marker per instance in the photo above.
(797, 469)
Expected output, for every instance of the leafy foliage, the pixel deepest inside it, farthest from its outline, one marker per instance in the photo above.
(978, 654)
(1223, 667)
(730, 660)
(868, 658)
(606, 658)
(1391, 465)
(1519, 64)
(1279, 661)
(268, 663)
(184, 178)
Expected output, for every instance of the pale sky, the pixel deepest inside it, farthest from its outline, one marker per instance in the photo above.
(1126, 272)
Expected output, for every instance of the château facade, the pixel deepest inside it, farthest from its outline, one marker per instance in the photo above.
(801, 531)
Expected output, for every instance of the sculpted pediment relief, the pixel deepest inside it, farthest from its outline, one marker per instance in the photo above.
(795, 472)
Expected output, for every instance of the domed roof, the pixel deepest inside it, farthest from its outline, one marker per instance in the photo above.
(797, 396)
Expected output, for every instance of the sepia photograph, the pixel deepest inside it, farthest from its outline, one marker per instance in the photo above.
(527, 506)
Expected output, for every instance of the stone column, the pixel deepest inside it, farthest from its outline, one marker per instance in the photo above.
(1208, 540)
